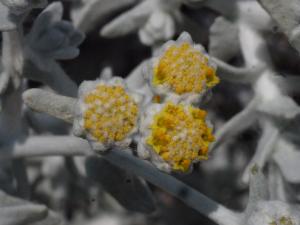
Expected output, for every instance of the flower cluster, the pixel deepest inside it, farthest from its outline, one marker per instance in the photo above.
(171, 131)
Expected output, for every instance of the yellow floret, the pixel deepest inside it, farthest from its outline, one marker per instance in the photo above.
(184, 69)
(180, 135)
(111, 113)
(285, 221)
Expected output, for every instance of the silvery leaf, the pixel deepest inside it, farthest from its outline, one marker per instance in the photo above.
(265, 147)
(14, 211)
(88, 14)
(221, 6)
(53, 37)
(277, 184)
(4, 81)
(51, 219)
(258, 188)
(273, 212)
(50, 73)
(286, 13)
(159, 27)
(223, 42)
(47, 18)
(61, 107)
(50, 39)
(129, 21)
(19, 7)
(282, 107)
(287, 157)
(260, 210)
(42, 123)
(8, 21)
(291, 131)
(65, 53)
(128, 190)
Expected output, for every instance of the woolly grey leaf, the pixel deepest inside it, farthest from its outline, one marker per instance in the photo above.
(223, 42)
(237, 74)
(49, 16)
(55, 105)
(52, 37)
(49, 73)
(273, 212)
(21, 6)
(130, 191)
(65, 27)
(20, 215)
(128, 22)
(287, 157)
(4, 81)
(264, 149)
(283, 107)
(12, 57)
(42, 123)
(65, 53)
(277, 184)
(15, 211)
(221, 6)
(106, 73)
(286, 13)
(51, 219)
(87, 14)
(76, 38)
(8, 21)
(159, 27)
(258, 188)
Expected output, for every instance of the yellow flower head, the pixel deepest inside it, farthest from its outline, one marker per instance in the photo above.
(284, 220)
(183, 68)
(179, 135)
(109, 113)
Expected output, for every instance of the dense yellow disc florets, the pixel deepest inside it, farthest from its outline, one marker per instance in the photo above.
(111, 113)
(184, 69)
(284, 220)
(180, 135)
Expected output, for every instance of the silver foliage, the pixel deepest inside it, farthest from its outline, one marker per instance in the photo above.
(50, 177)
